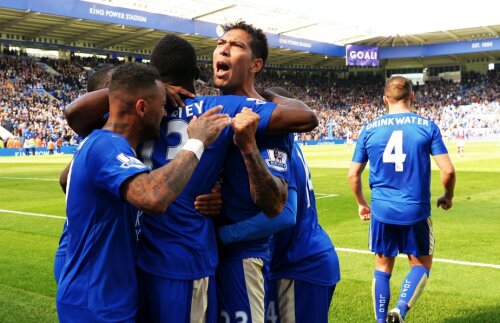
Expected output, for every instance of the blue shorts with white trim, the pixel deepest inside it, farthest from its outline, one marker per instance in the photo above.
(390, 239)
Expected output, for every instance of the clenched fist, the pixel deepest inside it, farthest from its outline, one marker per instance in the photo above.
(245, 125)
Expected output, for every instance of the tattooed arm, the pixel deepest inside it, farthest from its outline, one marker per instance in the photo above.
(268, 191)
(153, 192)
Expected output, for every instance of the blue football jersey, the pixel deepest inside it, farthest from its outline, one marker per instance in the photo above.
(63, 241)
(237, 199)
(99, 273)
(304, 251)
(398, 147)
(181, 243)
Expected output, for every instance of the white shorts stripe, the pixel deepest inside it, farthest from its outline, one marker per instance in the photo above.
(199, 300)
(286, 300)
(254, 281)
(431, 236)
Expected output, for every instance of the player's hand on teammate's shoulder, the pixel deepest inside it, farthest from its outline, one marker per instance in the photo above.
(209, 204)
(174, 94)
(444, 202)
(245, 125)
(364, 212)
(208, 126)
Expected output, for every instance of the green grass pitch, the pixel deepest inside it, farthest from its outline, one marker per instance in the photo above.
(469, 232)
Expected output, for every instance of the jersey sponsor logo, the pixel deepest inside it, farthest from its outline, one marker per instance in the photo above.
(129, 162)
(277, 159)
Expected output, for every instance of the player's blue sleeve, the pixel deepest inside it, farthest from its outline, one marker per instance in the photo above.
(276, 151)
(264, 109)
(437, 146)
(63, 240)
(60, 257)
(360, 153)
(114, 162)
(233, 104)
(260, 226)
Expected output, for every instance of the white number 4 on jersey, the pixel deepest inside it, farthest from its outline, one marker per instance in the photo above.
(393, 152)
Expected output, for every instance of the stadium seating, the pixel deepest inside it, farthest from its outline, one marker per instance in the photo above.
(34, 93)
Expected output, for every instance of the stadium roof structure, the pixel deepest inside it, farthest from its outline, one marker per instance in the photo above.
(293, 23)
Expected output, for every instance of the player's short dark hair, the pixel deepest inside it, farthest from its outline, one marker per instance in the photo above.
(99, 78)
(133, 77)
(258, 42)
(175, 59)
(398, 88)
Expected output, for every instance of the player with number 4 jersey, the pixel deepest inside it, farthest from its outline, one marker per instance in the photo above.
(398, 146)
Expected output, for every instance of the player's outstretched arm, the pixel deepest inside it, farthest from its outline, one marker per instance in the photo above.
(87, 112)
(269, 192)
(261, 226)
(355, 171)
(448, 179)
(153, 192)
(290, 115)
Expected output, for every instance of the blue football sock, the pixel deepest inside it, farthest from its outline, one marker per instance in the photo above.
(412, 288)
(381, 293)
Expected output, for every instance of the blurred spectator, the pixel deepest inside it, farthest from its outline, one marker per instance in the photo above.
(33, 97)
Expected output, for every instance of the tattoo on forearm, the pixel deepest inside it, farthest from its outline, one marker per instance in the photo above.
(153, 192)
(268, 191)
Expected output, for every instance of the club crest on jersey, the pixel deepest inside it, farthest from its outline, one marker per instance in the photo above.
(129, 162)
(277, 159)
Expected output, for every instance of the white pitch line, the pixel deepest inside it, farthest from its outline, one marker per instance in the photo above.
(456, 262)
(32, 178)
(326, 196)
(34, 214)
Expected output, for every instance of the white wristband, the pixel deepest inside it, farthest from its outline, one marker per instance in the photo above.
(195, 146)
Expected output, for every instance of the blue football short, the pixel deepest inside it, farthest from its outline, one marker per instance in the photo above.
(296, 301)
(59, 261)
(390, 239)
(176, 301)
(241, 290)
(78, 314)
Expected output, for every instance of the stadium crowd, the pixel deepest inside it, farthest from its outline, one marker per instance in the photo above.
(32, 99)
(170, 267)
(34, 92)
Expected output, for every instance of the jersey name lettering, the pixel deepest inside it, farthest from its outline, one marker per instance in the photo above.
(190, 110)
(397, 121)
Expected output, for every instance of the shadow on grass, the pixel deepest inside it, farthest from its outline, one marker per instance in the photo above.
(481, 314)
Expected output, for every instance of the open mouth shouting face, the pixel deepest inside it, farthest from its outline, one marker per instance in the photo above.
(232, 61)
